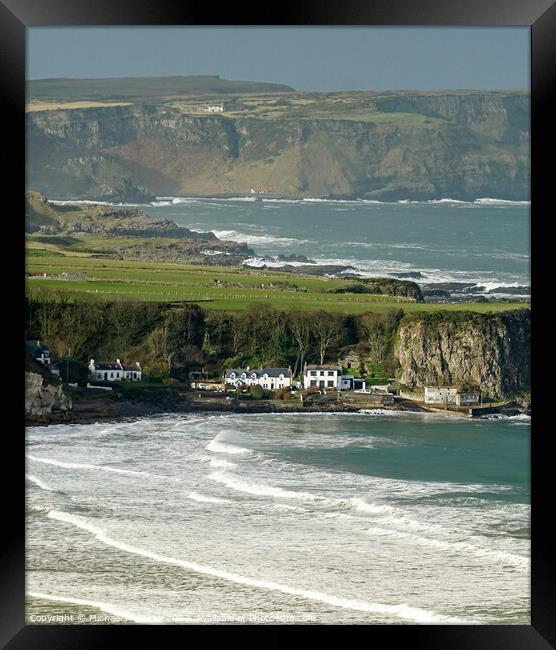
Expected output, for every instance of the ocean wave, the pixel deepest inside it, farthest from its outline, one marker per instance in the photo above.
(38, 482)
(104, 468)
(487, 201)
(521, 418)
(222, 448)
(518, 561)
(256, 239)
(221, 463)
(240, 485)
(402, 610)
(204, 498)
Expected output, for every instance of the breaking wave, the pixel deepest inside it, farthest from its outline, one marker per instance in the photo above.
(402, 610)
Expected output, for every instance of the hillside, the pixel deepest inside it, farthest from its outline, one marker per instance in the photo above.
(387, 146)
(143, 87)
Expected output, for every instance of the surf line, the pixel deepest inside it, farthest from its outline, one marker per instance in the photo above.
(402, 611)
(68, 465)
(105, 607)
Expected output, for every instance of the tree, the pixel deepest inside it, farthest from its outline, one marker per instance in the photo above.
(373, 331)
(325, 329)
(300, 329)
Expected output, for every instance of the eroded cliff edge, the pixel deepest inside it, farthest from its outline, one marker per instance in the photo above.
(489, 350)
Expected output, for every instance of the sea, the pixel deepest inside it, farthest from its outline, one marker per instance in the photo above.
(376, 517)
(479, 247)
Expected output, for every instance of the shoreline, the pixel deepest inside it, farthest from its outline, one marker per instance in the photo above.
(106, 410)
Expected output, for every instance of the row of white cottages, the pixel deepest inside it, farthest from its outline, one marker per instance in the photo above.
(116, 371)
(275, 378)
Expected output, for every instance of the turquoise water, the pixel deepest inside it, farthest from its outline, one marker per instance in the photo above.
(378, 517)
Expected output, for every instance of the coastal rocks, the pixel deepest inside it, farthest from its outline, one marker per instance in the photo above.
(295, 258)
(126, 222)
(219, 253)
(43, 399)
(488, 350)
(385, 286)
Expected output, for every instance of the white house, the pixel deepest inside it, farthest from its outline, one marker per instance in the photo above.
(39, 352)
(349, 382)
(212, 108)
(321, 376)
(450, 395)
(269, 378)
(118, 371)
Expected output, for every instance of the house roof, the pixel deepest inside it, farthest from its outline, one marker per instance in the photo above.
(259, 372)
(35, 348)
(315, 367)
(107, 366)
(131, 366)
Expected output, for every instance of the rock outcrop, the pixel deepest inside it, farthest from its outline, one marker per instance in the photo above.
(488, 350)
(43, 399)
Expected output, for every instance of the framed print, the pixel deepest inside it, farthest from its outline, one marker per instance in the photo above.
(279, 344)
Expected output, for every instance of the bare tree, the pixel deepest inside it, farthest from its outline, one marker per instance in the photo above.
(159, 342)
(300, 329)
(373, 331)
(325, 329)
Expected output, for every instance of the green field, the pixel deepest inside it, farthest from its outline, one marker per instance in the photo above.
(115, 280)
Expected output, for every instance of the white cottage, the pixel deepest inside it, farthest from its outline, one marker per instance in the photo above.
(118, 371)
(268, 378)
(321, 376)
(450, 395)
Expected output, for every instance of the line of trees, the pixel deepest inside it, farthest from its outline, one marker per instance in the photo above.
(170, 340)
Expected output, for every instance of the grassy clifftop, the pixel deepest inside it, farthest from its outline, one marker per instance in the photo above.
(144, 87)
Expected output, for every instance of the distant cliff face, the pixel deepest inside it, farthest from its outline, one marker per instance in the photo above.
(489, 350)
(407, 146)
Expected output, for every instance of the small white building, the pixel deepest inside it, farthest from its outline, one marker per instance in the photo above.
(450, 395)
(321, 376)
(40, 353)
(117, 371)
(211, 108)
(268, 378)
(349, 382)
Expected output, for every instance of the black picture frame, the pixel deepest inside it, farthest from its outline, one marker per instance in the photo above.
(540, 16)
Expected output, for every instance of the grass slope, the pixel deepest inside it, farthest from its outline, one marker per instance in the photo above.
(110, 279)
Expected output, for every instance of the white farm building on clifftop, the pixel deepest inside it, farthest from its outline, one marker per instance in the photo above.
(114, 371)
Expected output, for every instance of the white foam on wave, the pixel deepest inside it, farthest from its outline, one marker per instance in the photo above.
(518, 561)
(113, 610)
(285, 507)
(386, 412)
(402, 611)
(235, 483)
(221, 463)
(256, 239)
(521, 418)
(38, 482)
(204, 498)
(104, 468)
(223, 448)
(487, 201)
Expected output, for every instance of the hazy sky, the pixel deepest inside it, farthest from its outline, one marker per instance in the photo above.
(307, 58)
